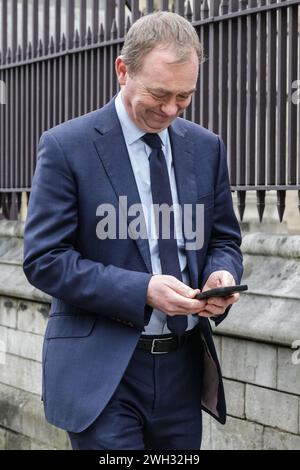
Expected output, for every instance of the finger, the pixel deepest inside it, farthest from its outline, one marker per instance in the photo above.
(182, 288)
(223, 301)
(214, 310)
(205, 314)
(184, 305)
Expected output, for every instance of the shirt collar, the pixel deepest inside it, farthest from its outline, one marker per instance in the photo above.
(131, 132)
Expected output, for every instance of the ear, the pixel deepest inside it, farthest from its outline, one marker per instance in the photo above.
(121, 70)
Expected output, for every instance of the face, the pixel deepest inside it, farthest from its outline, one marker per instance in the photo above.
(161, 89)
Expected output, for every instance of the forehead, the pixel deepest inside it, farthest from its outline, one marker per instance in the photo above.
(163, 60)
(161, 71)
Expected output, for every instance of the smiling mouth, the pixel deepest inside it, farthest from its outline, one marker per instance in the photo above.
(165, 118)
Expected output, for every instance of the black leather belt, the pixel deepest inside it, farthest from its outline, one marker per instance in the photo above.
(162, 344)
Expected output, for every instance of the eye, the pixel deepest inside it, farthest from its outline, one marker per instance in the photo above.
(158, 97)
(184, 97)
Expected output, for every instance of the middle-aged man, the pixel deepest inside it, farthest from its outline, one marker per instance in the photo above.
(128, 358)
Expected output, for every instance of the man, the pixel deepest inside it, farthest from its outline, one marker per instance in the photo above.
(128, 357)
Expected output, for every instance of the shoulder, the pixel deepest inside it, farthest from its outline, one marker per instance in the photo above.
(199, 135)
(77, 130)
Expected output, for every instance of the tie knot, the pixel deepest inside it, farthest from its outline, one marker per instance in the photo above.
(153, 140)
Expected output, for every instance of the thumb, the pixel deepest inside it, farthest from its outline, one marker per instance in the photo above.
(183, 289)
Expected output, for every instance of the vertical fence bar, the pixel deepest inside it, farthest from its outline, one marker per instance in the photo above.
(17, 120)
(46, 20)
(113, 50)
(23, 108)
(3, 30)
(82, 23)
(179, 7)
(251, 95)
(293, 22)
(121, 18)
(241, 96)
(223, 73)
(281, 97)
(24, 26)
(204, 69)
(164, 5)
(189, 110)
(149, 6)
(14, 28)
(109, 15)
(135, 10)
(57, 24)
(232, 93)
(70, 23)
(95, 20)
(10, 122)
(271, 94)
(261, 96)
(196, 10)
(213, 65)
(35, 26)
(27, 120)
(260, 150)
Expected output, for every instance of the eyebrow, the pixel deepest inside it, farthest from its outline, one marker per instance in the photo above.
(167, 92)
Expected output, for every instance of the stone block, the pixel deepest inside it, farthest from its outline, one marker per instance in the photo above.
(32, 317)
(21, 373)
(8, 312)
(247, 361)
(272, 408)
(24, 344)
(278, 440)
(237, 434)
(288, 374)
(235, 398)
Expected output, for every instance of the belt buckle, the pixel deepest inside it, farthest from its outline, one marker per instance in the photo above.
(153, 345)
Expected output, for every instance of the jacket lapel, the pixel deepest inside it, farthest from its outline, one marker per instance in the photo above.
(112, 151)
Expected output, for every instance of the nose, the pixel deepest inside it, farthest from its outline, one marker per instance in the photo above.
(170, 108)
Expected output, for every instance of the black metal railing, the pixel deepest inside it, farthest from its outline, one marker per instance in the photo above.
(248, 90)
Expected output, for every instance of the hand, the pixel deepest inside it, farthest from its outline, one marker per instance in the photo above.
(173, 297)
(216, 306)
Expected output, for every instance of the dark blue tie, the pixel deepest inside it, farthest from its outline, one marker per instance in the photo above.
(161, 194)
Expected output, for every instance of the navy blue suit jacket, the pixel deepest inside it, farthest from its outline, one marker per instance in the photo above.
(99, 287)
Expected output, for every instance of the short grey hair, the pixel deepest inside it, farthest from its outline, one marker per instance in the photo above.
(161, 28)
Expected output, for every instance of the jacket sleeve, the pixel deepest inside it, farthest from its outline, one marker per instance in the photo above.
(224, 246)
(52, 264)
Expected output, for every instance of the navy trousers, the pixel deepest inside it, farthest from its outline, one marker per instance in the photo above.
(156, 406)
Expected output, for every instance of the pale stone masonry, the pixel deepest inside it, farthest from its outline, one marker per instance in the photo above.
(260, 369)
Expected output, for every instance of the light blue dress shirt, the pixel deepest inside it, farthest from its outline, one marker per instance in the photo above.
(139, 153)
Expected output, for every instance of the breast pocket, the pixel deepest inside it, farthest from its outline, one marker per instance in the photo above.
(69, 326)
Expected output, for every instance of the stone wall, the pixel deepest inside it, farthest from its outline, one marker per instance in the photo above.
(23, 317)
(254, 344)
(260, 367)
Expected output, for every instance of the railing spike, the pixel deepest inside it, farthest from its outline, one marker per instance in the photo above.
(52, 45)
(76, 41)
(89, 36)
(260, 203)
(281, 203)
(241, 203)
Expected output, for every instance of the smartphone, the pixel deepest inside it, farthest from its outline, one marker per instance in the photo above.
(221, 291)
